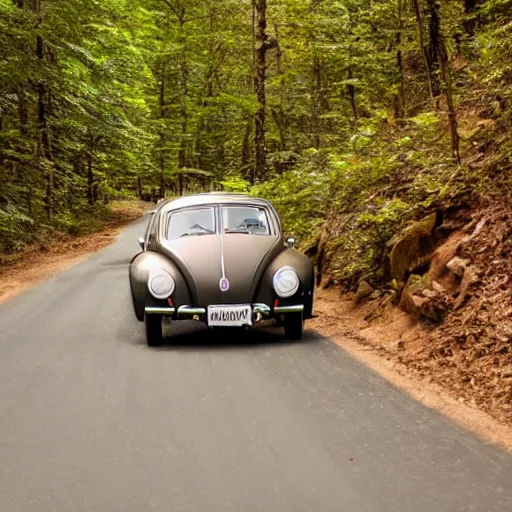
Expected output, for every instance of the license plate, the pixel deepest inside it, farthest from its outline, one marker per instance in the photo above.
(229, 316)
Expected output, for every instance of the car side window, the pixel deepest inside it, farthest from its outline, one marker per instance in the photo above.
(191, 222)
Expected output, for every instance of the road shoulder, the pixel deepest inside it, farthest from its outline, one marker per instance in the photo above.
(39, 262)
(368, 343)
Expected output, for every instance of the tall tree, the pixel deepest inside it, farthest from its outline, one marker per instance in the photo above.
(260, 71)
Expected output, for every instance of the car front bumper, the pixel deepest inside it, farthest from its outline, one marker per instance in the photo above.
(260, 311)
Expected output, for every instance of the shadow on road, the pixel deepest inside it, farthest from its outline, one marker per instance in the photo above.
(190, 335)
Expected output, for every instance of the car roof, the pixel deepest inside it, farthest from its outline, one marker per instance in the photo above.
(214, 198)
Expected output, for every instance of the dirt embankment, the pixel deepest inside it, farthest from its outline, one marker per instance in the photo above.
(448, 324)
(41, 260)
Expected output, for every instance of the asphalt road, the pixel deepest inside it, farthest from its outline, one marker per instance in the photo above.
(93, 420)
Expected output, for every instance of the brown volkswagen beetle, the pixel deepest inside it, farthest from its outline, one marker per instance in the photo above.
(221, 259)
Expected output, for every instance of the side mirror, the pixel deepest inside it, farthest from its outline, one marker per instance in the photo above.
(141, 243)
(290, 242)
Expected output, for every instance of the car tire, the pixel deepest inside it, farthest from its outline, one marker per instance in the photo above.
(308, 307)
(154, 330)
(279, 320)
(294, 326)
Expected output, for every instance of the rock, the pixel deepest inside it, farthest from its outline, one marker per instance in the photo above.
(413, 248)
(416, 284)
(364, 290)
(421, 301)
(410, 303)
(397, 344)
(468, 279)
(429, 294)
(434, 309)
(389, 297)
(419, 307)
(437, 287)
(457, 266)
(476, 231)
(443, 254)
(395, 286)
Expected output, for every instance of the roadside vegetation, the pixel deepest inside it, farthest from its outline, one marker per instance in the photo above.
(381, 130)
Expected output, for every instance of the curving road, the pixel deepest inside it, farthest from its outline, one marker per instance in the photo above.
(93, 420)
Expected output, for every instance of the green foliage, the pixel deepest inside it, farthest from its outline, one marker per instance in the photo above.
(156, 97)
(235, 184)
(14, 225)
(425, 120)
(81, 220)
(384, 221)
(301, 195)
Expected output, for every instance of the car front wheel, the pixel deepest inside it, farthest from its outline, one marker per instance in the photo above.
(154, 332)
(293, 326)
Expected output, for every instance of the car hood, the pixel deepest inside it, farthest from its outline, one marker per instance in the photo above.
(245, 259)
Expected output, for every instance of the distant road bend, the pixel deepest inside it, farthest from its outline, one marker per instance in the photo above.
(91, 419)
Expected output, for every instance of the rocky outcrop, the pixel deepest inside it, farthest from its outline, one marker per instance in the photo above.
(364, 290)
(413, 248)
(447, 284)
(423, 300)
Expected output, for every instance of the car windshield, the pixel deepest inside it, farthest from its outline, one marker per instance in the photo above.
(191, 222)
(245, 219)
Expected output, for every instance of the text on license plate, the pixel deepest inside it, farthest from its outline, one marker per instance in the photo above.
(229, 316)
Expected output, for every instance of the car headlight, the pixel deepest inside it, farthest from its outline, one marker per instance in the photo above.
(161, 284)
(286, 282)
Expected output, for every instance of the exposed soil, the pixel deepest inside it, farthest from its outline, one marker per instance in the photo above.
(40, 261)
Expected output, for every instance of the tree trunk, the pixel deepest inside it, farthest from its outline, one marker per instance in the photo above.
(162, 133)
(23, 112)
(279, 118)
(316, 72)
(448, 89)
(423, 48)
(317, 100)
(351, 90)
(400, 110)
(23, 116)
(261, 47)
(179, 10)
(246, 146)
(45, 151)
(433, 49)
(180, 184)
(184, 74)
(446, 80)
(471, 18)
(279, 52)
(139, 187)
(90, 180)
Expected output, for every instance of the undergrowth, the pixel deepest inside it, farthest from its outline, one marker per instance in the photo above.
(17, 229)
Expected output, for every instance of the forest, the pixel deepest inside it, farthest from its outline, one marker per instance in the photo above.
(315, 104)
